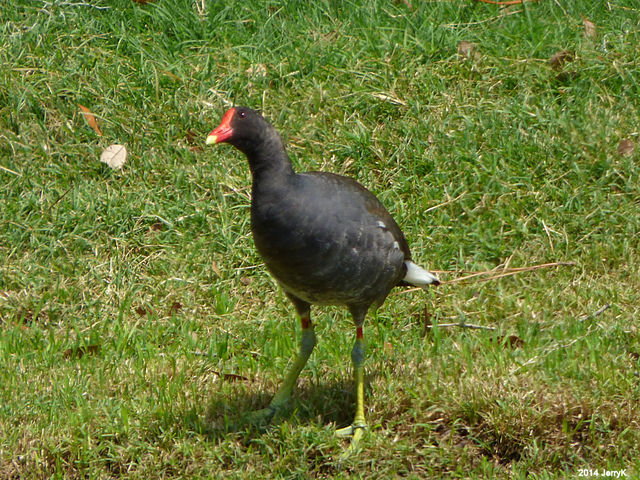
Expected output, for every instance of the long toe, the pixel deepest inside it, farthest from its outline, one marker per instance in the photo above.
(350, 430)
(357, 432)
(263, 416)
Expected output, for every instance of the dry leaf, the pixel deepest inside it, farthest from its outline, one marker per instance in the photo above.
(512, 341)
(467, 50)
(407, 3)
(25, 316)
(141, 311)
(90, 118)
(215, 268)
(114, 155)
(81, 351)
(231, 377)
(558, 59)
(191, 137)
(389, 98)
(158, 226)
(626, 147)
(259, 70)
(175, 307)
(590, 30)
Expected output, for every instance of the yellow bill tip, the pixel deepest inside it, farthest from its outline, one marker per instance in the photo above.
(211, 139)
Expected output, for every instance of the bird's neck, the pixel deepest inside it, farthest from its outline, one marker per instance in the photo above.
(268, 160)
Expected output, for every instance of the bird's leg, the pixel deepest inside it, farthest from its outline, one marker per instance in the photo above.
(357, 428)
(307, 342)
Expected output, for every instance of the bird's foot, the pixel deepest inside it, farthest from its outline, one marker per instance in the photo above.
(263, 416)
(351, 430)
(356, 432)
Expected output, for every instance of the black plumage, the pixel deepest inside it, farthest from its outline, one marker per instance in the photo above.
(325, 238)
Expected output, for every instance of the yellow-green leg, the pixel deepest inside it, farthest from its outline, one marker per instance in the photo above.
(357, 428)
(279, 401)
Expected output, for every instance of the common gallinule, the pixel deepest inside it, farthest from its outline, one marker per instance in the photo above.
(325, 238)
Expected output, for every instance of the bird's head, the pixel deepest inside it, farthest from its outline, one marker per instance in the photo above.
(250, 133)
(241, 127)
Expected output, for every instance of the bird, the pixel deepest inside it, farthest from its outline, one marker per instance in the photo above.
(325, 239)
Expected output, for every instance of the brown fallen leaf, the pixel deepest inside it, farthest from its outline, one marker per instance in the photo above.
(626, 147)
(558, 59)
(175, 307)
(26, 316)
(512, 341)
(233, 378)
(191, 137)
(81, 351)
(141, 311)
(158, 226)
(467, 50)
(90, 118)
(590, 30)
(230, 377)
(407, 3)
(214, 266)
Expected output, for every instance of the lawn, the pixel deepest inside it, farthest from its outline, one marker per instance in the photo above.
(138, 325)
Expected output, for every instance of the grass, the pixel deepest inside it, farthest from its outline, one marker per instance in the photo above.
(138, 325)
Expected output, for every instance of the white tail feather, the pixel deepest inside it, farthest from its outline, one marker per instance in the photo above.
(418, 276)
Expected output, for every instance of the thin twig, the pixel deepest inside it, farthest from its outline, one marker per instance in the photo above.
(597, 313)
(461, 325)
(510, 271)
(505, 273)
(445, 203)
(59, 198)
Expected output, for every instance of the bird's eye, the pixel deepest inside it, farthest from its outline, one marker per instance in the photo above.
(242, 114)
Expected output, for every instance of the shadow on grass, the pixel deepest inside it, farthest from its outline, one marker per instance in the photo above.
(325, 404)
